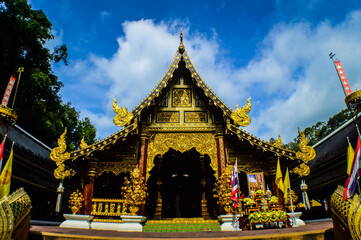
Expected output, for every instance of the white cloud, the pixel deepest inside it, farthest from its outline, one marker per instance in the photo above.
(291, 81)
(315, 93)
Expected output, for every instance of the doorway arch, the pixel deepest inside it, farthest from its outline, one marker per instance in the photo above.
(160, 143)
(181, 186)
(181, 175)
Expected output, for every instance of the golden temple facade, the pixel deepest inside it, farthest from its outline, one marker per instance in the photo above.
(177, 142)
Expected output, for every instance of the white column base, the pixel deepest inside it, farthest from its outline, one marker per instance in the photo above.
(132, 223)
(228, 223)
(76, 221)
(295, 219)
(105, 226)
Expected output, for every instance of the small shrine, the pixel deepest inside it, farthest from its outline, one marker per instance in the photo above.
(172, 158)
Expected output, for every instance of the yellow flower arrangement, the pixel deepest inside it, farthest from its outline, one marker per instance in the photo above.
(249, 201)
(273, 200)
(260, 193)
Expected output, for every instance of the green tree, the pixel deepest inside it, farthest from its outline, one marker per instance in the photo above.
(320, 130)
(23, 33)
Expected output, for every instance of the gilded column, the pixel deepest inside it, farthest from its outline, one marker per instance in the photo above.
(159, 203)
(221, 154)
(205, 214)
(89, 188)
(142, 163)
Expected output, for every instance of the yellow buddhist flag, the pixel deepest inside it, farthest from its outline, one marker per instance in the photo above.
(279, 177)
(287, 185)
(5, 177)
(350, 156)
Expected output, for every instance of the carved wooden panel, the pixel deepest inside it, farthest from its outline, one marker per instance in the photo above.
(168, 117)
(182, 97)
(164, 101)
(196, 117)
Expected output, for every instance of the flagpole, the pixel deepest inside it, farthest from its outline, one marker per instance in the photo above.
(339, 77)
(20, 70)
(348, 140)
(293, 213)
(2, 154)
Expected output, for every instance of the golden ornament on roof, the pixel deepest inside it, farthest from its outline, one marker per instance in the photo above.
(59, 156)
(278, 143)
(83, 144)
(302, 170)
(123, 117)
(240, 116)
(181, 46)
(306, 153)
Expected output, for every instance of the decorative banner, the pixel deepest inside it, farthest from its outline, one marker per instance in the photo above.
(343, 78)
(8, 90)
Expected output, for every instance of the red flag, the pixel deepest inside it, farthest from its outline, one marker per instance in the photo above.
(343, 78)
(8, 91)
(351, 182)
(234, 184)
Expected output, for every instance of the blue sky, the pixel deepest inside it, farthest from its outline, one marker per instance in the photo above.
(273, 51)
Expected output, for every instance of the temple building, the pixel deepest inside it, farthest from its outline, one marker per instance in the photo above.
(182, 138)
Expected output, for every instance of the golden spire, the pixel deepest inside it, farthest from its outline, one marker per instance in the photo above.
(181, 46)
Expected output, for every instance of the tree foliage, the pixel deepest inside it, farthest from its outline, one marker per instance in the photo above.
(23, 33)
(320, 130)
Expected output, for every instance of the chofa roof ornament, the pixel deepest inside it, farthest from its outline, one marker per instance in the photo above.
(306, 154)
(123, 117)
(59, 156)
(240, 116)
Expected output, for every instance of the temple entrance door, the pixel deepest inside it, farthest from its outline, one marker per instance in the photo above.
(181, 175)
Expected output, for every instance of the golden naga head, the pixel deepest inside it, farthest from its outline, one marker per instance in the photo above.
(278, 142)
(302, 170)
(59, 156)
(306, 153)
(240, 116)
(123, 117)
(83, 144)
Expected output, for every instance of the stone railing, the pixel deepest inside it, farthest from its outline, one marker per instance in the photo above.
(109, 207)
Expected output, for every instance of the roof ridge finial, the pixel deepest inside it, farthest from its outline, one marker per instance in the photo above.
(181, 46)
(181, 34)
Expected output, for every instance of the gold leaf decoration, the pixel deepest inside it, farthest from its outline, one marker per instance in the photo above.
(83, 144)
(278, 143)
(59, 156)
(114, 167)
(160, 143)
(134, 191)
(76, 201)
(306, 153)
(303, 170)
(123, 117)
(223, 191)
(240, 116)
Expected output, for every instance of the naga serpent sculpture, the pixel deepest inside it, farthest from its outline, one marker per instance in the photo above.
(240, 116)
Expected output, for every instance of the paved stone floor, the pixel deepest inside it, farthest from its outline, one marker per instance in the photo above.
(321, 229)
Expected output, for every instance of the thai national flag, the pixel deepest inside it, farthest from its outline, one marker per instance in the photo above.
(351, 182)
(234, 184)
